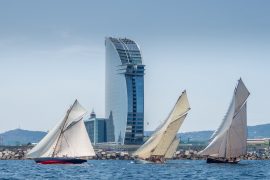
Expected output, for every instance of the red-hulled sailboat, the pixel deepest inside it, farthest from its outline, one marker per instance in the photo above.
(66, 143)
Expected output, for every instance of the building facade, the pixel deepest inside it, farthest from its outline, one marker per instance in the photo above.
(96, 128)
(124, 98)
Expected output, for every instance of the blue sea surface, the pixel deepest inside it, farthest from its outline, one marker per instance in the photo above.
(119, 169)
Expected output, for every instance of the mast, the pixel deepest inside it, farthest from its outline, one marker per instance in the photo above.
(62, 129)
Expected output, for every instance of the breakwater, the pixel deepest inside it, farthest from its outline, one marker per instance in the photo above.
(13, 152)
(193, 155)
(19, 153)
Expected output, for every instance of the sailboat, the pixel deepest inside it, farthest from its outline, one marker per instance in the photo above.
(229, 141)
(67, 143)
(163, 143)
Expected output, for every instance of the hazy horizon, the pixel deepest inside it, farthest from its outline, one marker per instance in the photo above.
(52, 52)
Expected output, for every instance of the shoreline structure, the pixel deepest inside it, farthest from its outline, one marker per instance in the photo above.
(120, 153)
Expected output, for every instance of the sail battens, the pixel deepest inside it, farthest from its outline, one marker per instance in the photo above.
(162, 141)
(229, 140)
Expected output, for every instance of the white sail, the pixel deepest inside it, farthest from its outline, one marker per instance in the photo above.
(172, 149)
(45, 147)
(230, 138)
(226, 119)
(168, 137)
(69, 138)
(75, 142)
(241, 95)
(164, 135)
(237, 137)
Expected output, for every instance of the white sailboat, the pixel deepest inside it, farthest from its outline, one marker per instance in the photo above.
(67, 142)
(229, 141)
(163, 142)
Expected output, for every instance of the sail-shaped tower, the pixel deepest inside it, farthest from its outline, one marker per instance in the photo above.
(124, 96)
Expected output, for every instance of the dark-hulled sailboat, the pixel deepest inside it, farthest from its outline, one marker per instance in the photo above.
(163, 143)
(229, 141)
(66, 143)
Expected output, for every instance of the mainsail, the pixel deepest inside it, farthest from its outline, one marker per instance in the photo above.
(164, 142)
(173, 147)
(230, 139)
(67, 139)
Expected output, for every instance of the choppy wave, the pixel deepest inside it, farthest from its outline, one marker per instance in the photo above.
(117, 169)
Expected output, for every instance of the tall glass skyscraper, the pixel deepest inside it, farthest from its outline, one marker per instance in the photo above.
(125, 90)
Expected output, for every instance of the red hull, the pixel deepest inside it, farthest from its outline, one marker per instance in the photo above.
(54, 162)
(59, 161)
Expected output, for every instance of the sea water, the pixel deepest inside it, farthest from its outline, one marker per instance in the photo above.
(123, 169)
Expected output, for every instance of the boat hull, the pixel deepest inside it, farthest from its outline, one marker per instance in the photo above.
(59, 160)
(220, 160)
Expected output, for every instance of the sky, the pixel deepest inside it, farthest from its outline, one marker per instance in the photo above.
(52, 52)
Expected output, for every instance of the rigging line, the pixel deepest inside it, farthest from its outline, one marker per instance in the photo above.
(66, 140)
(65, 120)
(73, 124)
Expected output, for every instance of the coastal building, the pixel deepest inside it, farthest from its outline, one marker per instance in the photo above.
(124, 98)
(258, 141)
(97, 128)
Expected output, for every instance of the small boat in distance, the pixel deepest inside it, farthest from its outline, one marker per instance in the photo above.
(67, 142)
(163, 143)
(229, 141)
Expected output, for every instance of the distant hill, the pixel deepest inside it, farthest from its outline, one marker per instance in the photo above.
(20, 136)
(258, 131)
(195, 136)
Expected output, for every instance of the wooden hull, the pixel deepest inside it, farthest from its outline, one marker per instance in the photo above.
(221, 160)
(59, 160)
